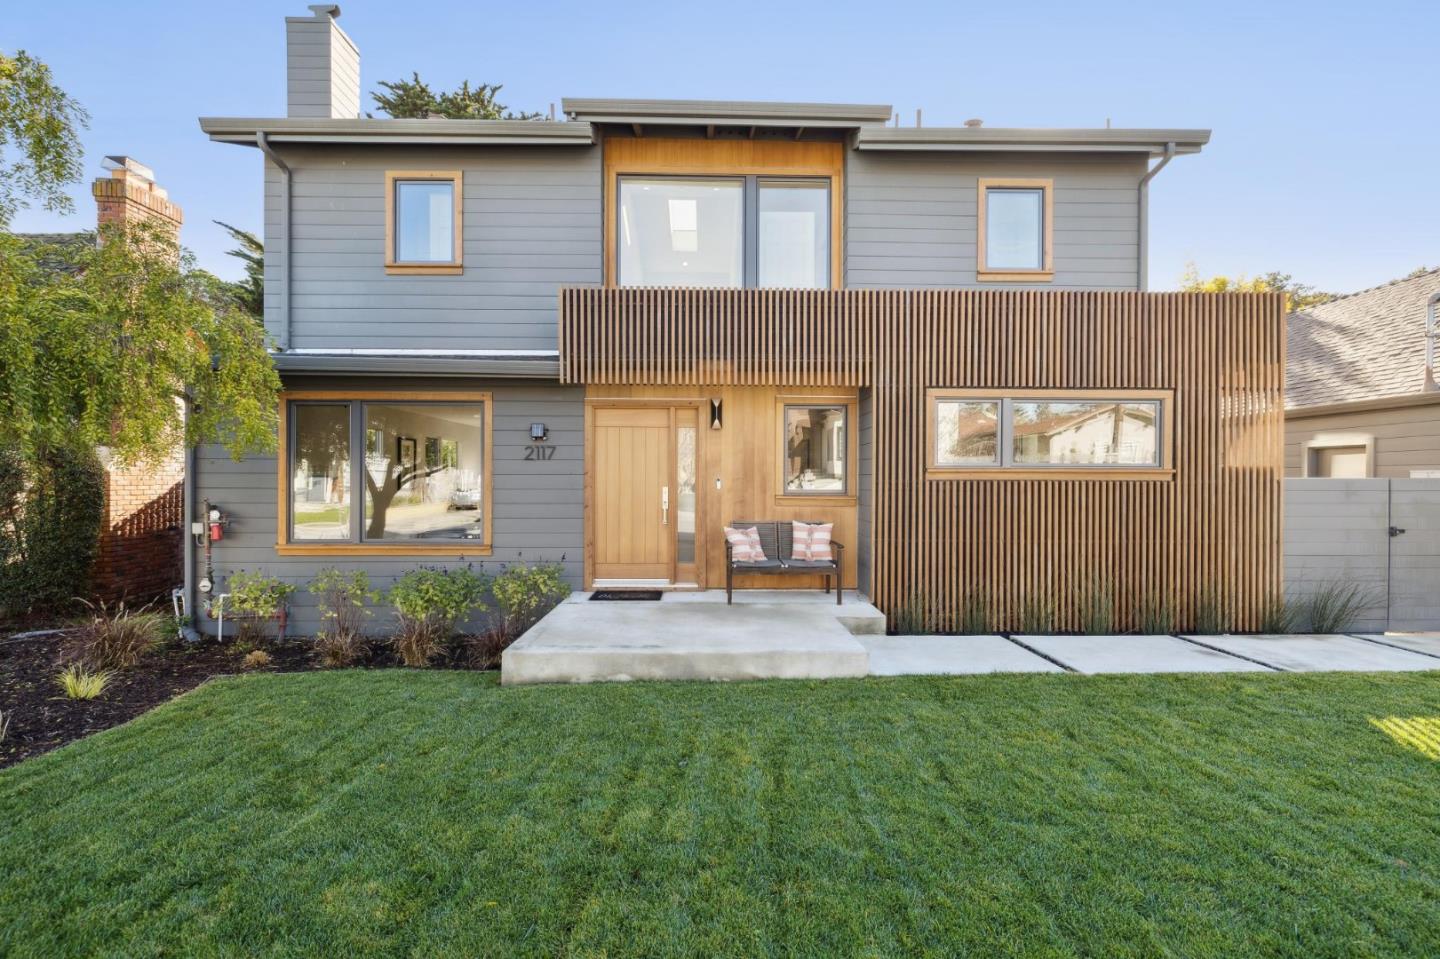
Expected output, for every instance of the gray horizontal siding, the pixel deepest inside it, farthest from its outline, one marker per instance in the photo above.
(531, 225)
(538, 506)
(911, 219)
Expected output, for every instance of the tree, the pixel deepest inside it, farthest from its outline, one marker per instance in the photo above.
(99, 352)
(39, 121)
(1298, 296)
(413, 99)
(249, 292)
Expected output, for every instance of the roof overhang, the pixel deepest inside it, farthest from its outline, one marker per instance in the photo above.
(502, 364)
(455, 132)
(999, 139)
(740, 113)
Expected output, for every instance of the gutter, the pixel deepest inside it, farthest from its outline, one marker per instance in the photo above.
(282, 340)
(1145, 214)
(1430, 334)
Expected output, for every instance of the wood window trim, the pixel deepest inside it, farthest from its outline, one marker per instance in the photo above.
(674, 156)
(1046, 273)
(849, 497)
(459, 550)
(1337, 440)
(456, 266)
(1165, 471)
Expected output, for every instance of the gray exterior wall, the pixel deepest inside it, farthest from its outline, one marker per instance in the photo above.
(910, 218)
(537, 505)
(322, 69)
(531, 224)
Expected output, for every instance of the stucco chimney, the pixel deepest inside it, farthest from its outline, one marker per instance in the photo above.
(322, 66)
(129, 195)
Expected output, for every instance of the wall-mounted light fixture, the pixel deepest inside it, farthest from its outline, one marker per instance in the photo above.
(714, 414)
(538, 432)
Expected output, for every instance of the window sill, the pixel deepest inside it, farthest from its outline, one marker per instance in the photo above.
(1057, 473)
(801, 499)
(1014, 276)
(458, 550)
(424, 269)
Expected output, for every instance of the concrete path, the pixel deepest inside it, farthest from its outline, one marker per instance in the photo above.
(950, 656)
(1427, 643)
(1316, 653)
(1136, 654)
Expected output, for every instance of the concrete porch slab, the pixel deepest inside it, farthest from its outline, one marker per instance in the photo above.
(581, 641)
(950, 656)
(1427, 643)
(855, 613)
(1313, 652)
(1136, 654)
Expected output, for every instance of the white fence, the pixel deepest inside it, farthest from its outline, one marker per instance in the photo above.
(1379, 532)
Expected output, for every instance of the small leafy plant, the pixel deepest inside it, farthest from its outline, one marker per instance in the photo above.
(342, 599)
(80, 683)
(1334, 606)
(116, 638)
(256, 598)
(428, 603)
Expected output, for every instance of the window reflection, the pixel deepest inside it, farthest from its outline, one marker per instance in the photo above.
(1086, 433)
(320, 472)
(814, 446)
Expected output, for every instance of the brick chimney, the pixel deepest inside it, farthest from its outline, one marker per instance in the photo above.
(129, 195)
(322, 66)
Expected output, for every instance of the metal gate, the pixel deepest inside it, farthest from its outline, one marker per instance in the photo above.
(1381, 533)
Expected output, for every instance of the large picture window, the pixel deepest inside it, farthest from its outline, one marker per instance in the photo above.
(1048, 430)
(417, 465)
(741, 231)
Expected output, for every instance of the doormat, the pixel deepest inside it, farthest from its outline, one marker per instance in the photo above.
(620, 595)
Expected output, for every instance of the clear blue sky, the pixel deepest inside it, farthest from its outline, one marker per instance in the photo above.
(1326, 127)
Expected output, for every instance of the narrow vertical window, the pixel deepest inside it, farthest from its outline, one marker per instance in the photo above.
(320, 472)
(794, 233)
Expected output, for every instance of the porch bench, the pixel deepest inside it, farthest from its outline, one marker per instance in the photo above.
(777, 541)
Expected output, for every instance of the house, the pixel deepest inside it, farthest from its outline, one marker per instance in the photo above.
(603, 338)
(139, 556)
(1360, 397)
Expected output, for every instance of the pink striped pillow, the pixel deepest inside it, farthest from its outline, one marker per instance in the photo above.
(745, 544)
(812, 541)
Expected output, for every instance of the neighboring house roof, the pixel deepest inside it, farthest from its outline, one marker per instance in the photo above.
(739, 112)
(1366, 346)
(386, 130)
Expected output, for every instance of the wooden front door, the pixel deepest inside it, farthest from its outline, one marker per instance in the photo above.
(634, 512)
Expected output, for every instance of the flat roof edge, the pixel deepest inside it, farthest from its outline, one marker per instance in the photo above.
(242, 130)
(724, 112)
(999, 138)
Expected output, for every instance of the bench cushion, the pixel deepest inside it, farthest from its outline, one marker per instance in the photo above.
(809, 564)
(761, 564)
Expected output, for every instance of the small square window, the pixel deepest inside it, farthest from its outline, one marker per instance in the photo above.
(1015, 225)
(423, 222)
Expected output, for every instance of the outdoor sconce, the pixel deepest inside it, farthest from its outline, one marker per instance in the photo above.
(538, 432)
(714, 414)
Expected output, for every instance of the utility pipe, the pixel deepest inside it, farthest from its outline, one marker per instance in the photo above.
(188, 505)
(282, 339)
(1430, 334)
(1145, 215)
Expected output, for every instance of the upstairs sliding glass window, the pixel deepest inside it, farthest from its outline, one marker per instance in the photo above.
(771, 232)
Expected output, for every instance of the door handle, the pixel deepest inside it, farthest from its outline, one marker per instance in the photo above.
(664, 506)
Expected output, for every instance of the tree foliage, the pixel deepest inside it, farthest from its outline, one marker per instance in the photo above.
(249, 292)
(39, 143)
(98, 352)
(1298, 296)
(413, 99)
(51, 511)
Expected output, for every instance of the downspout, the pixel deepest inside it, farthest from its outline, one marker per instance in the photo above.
(1430, 334)
(1145, 215)
(282, 338)
(192, 606)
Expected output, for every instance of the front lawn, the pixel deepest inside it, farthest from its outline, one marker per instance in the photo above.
(435, 814)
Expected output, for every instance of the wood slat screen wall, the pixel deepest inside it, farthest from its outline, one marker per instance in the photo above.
(1207, 535)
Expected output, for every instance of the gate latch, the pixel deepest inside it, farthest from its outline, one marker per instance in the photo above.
(1395, 531)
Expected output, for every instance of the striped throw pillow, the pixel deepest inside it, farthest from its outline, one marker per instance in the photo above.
(812, 541)
(745, 544)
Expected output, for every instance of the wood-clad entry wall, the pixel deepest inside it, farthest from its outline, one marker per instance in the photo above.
(1208, 532)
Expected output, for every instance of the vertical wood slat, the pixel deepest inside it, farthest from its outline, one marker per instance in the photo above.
(1212, 533)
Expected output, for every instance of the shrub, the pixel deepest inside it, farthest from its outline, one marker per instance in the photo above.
(524, 593)
(1037, 614)
(116, 639)
(1097, 607)
(1209, 612)
(1277, 615)
(256, 659)
(80, 683)
(342, 598)
(975, 613)
(255, 598)
(428, 603)
(1156, 615)
(51, 510)
(1333, 607)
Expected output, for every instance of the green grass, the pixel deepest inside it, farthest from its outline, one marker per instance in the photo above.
(435, 814)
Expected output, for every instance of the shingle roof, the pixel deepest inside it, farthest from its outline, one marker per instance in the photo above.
(1366, 346)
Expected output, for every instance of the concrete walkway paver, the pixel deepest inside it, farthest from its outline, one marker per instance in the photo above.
(1309, 652)
(1136, 654)
(1427, 643)
(950, 656)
